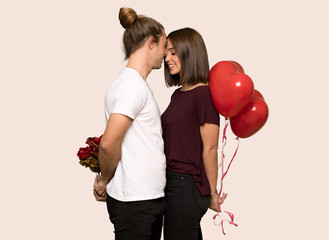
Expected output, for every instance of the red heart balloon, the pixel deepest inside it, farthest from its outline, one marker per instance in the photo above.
(232, 64)
(251, 118)
(257, 94)
(230, 88)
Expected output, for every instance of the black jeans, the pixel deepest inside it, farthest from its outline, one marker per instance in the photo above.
(137, 220)
(184, 208)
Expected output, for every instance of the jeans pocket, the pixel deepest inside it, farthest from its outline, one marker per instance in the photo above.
(202, 202)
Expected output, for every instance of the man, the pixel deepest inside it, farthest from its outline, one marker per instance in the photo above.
(131, 154)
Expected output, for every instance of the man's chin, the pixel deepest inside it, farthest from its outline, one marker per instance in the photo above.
(157, 67)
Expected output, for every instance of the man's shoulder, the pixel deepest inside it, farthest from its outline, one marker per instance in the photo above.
(129, 78)
(127, 81)
(127, 87)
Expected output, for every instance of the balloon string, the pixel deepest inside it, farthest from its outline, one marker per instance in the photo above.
(235, 152)
(224, 141)
(231, 221)
(231, 215)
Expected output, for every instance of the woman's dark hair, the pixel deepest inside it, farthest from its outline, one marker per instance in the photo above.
(192, 54)
(138, 29)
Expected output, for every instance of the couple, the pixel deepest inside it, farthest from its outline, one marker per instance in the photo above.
(153, 167)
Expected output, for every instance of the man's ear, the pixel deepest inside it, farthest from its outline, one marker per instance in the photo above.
(150, 42)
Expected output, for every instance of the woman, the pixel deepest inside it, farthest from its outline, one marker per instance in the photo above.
(190, 132)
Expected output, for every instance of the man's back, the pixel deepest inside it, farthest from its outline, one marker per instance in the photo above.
(140, 174)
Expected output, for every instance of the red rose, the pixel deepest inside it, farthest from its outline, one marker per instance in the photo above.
(89, 155)
(94, 141)
(90, 141)
(98, 140)
(94, 151)
(84, 153)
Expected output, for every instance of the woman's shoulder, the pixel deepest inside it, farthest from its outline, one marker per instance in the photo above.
(203, 90)
(176, 91)
(195, 93)
(203, 94)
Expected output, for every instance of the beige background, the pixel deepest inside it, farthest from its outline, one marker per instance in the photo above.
(57, 59)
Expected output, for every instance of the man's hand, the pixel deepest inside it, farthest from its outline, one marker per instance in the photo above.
(99, 189)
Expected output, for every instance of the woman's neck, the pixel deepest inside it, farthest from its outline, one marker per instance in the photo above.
(186, 87)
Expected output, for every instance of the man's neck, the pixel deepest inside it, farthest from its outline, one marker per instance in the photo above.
(138, 62)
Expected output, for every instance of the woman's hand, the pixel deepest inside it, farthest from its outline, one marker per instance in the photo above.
(222, 199)
(215, 199)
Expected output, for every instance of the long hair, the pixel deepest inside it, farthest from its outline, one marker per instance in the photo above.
(138, 29)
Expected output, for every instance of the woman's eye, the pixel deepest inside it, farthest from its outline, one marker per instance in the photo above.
(173, 53)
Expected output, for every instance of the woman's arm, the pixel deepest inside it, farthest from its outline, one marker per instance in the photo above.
(209, 136)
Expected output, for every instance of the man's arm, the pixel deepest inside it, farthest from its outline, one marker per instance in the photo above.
(110, 151)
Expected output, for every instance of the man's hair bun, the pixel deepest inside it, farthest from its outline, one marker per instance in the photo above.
(127, 16)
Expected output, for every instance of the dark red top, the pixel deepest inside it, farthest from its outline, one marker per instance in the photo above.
(181, 122)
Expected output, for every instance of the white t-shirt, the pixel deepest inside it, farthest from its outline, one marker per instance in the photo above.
(140, 174)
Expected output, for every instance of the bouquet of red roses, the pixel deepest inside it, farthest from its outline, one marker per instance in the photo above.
(88, 156)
